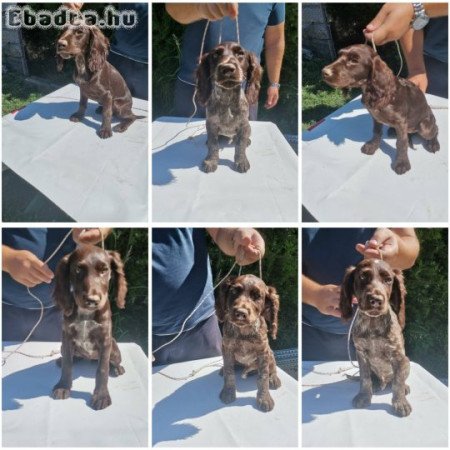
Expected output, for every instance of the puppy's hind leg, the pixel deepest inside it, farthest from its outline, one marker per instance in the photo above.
(116, 359)
(274, 381)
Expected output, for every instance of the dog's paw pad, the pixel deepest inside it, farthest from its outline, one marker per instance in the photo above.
(242, 166)
(100, 401)
(369, 149)
(228, 395)
(209, 166)
(265, 403)
(105, 133)
(362, 400)
(274, 382)
(402, 408)
(402, 166)
(61, 393)
(76, 117)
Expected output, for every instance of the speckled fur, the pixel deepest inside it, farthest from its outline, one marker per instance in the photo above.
(377, 330)
(249, 311)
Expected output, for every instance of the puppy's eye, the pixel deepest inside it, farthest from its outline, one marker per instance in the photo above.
(353, 59)
(388, 280)
(78, 270)
(255, 295)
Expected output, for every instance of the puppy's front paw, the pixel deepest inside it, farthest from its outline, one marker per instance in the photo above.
(209, 165)
(432, 146)
(60, 393)
(228, 395)
(242, 165)
(119, 370)
(76, 117)
(402, 166)
(265, 402)
(100, 400)
(274, 382)
(369, 148)
(402, 408)
(362, 400)
(105, 133)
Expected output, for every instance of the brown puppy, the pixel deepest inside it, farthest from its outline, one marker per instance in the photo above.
(392, 101)
(82, 282)
(377, 330)
(98, 80)
(228, 82)
(249, 310)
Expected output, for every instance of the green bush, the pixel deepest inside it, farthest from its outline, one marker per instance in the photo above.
(280, 270)
(131, 323)
(426, 334)
(167, 36)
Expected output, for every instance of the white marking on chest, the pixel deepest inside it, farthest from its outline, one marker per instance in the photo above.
(83, 327)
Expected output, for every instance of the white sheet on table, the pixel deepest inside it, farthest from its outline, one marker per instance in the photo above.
(189, 413)
(329, 420)
(31, 418)
(89, 178)
(342, 184)
(182, 192)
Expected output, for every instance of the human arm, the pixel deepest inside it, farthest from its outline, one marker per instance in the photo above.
(394, 20)
(74, 6)
(323, 297)
(398, 246)
(274, 44)
(90, 235)
(412, 49)
(245, 244)
(25, 267)
(186, 13)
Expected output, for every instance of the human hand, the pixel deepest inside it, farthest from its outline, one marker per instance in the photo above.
(420, 80)
(273, 94)
(383, 244)
(390, 24)
(26, 268)
(217, 11)
(327, 300)
(248, 245)
(89, 235)
(73, 6)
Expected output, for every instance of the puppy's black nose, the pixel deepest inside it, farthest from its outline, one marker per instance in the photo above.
(93, 300)
(240, 314)
(326, 72)
(62, 45)
(227, 69)
(375, 302)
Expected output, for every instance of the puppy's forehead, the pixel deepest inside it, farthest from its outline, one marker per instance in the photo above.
(374, 263)
(249, 281)
(90, 254)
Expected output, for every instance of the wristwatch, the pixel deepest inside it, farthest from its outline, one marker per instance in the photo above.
(277, 85)
(420, 17)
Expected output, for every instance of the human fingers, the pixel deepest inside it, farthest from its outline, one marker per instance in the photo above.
(272, 97)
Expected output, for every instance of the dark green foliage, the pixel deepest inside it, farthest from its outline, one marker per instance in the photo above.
(131, 323)
(280, 270)
(426, 332)
(167, 37)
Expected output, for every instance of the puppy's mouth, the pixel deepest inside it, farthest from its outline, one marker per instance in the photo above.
(65, 55)
(229, 83)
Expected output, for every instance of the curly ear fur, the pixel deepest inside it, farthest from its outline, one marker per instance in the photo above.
(397, 300)
(254, 74)
(380, 84)
(271, 308)
(221, 298)
(98, 50)
(61, 293)
(119, 278)
(204, 84)
(347, 292)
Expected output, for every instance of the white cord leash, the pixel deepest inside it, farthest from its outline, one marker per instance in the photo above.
(398, 51)
(41, 315)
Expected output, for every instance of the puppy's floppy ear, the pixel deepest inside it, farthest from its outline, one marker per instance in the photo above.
(221, 298)
(253, 75)
(347, 292)
(119, 278)
(204, 83)
(98, 49)
(62, 294)
(380, 83)
(271, 308)
(398, 294)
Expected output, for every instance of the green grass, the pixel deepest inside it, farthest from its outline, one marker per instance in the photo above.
(17, 93)
(319, 100)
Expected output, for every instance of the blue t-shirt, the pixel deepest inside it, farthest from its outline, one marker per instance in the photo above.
(181, 279)
(326, 254)
(436, 39)
(42, 242)
(253, 19)
(133, 42)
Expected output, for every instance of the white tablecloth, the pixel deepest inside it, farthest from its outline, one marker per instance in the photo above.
(182, 192)
(329, 420)
(342, 184)
(89, 178)
(189, 413)
(31, 418)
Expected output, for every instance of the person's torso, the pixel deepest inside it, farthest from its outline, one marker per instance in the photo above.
(181, 279)
(42, 242)
(436, 39)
